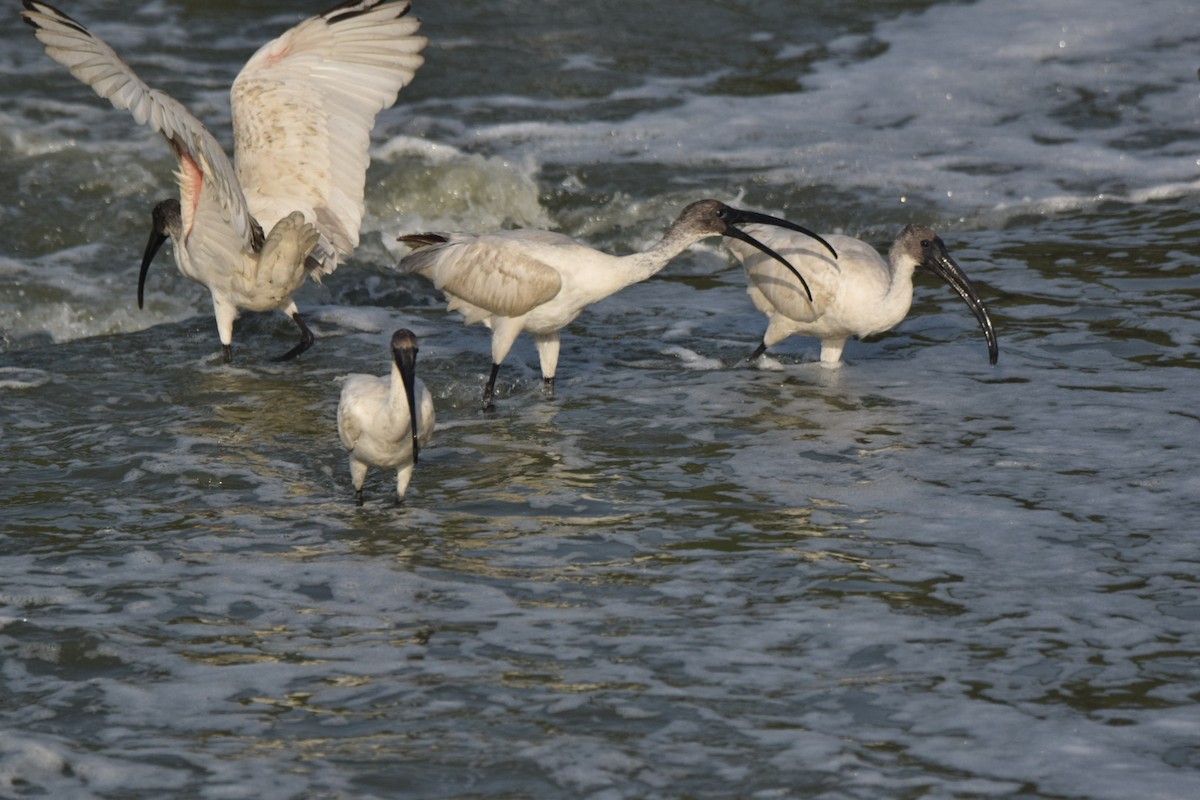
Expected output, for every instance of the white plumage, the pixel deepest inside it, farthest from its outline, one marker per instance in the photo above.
(303, 108)
(538, 281)
(375, 417)
(858, 295)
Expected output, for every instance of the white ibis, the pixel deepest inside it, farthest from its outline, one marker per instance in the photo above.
(858, 295)
(303, 108)
(538, 281)
(384, 422)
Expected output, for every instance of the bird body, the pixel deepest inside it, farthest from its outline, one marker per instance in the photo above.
(375, 418)
(539, 281)
(303, 108)
(859, 294)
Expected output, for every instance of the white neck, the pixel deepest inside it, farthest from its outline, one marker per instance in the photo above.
(637, 267)
(894, 305)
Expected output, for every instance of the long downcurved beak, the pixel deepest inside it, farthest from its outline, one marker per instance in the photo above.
(946, 268)
(404, 353)
(156, 241)
(737, 216)
(165, 221)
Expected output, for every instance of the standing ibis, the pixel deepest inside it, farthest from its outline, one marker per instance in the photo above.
(384, 422)
(538, 281)
(859, 294)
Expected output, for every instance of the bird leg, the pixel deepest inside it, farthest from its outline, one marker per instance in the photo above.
(306, 340)
(489, 391)
(227, 353)
(547, 347)
(758, 351)
(358, 497)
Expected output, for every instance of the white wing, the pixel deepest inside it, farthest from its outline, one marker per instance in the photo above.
(303, 109)
(497, 272)
(770, 280)
(203, 163)
(362, 397)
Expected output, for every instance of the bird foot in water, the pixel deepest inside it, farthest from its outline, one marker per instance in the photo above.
(306, 341)
(489, 389)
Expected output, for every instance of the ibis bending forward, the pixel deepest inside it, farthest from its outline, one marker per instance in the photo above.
(384, 422)
(538, 281)
(303, 109)
(858, 295)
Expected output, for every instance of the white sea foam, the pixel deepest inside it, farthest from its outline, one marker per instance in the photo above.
(690, 359)
(983, 121)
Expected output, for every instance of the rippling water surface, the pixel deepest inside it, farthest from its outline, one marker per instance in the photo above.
(915, 576)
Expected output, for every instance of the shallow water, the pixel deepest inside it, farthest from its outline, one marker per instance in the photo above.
(915, 576)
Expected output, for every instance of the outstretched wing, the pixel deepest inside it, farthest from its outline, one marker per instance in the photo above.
(202, 161)
(303, 109)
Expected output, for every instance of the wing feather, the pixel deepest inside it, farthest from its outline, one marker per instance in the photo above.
(94, 63)
(303, 109)
(773, 283)
(494, 272)
(362, 395)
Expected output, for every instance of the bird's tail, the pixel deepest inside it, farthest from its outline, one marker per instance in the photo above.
(418, 240)
(323, 260)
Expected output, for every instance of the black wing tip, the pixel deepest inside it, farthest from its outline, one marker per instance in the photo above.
(419, 240)
(46, 9)
(355, 8)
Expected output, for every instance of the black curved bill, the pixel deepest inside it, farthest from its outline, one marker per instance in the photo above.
(156, 241)
(945, 267)
(165, 221)
(737, 216)
(404, 353)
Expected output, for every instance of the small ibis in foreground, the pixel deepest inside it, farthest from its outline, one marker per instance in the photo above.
(384, 422)
(303, 109)
(538, 281)
(859, 294)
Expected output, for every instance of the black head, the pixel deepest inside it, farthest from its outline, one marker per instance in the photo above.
(925, 247)
(714, 216)
(166, 220)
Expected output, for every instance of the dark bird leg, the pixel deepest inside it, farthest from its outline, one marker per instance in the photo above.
(306, 340)
(758, 351)
(489, 391)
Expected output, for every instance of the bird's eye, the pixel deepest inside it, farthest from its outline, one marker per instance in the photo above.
(926, 244)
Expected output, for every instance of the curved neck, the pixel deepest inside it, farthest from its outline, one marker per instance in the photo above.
(637, 267)
(900, 269)
(899, 295)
